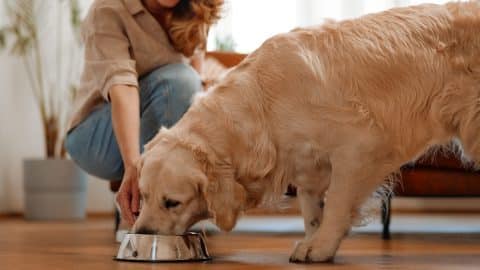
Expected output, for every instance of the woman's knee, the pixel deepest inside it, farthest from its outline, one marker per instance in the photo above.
(184, 74)
(168, 95)
(181, 78)
(187, 82)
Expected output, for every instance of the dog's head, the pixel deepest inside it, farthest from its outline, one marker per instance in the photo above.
(180, 186)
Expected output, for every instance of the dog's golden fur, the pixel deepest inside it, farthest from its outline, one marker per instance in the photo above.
(336, 107)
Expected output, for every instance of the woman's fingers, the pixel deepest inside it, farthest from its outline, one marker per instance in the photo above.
(123, 200)
(128, 196)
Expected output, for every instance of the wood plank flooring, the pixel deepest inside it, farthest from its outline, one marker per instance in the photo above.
(90, 245)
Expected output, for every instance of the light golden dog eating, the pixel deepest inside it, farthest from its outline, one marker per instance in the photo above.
(331, 109)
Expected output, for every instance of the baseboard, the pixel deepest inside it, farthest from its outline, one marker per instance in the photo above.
(436, 211)
(435, 205)
(101, 214)
(291, 211)
(11, 215)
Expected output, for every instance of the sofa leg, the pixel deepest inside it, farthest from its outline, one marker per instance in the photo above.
(386, 205)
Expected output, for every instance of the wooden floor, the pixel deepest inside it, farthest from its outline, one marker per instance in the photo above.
(90, 245)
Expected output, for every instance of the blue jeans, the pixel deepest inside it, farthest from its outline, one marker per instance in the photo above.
(165, 95)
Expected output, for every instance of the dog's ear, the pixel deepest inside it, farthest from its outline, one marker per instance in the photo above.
(226, 198)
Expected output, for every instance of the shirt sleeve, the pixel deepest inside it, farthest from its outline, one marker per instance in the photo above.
(108, 60)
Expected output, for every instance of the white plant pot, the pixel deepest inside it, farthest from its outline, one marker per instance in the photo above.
(55, 189)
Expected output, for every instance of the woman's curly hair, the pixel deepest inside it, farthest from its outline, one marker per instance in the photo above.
(187, 24)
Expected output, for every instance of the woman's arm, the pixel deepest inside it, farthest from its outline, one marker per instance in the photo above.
(126, 124)
(126, 121)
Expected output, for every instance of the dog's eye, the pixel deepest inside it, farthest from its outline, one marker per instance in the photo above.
(169, 203)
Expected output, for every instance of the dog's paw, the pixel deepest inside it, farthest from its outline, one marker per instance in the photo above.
(301, 252)
(306, 252)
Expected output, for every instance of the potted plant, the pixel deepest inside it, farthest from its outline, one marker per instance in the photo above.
(45, 35)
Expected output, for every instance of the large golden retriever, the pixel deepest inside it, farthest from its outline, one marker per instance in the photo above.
(332, 109)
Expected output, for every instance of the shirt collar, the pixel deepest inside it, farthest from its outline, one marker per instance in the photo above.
(134, 6)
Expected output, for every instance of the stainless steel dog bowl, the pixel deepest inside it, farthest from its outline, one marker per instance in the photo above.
(163, 248)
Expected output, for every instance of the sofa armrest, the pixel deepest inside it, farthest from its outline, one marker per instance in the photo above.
(228, 59)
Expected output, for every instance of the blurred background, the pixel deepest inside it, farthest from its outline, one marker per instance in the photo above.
(247, 23)
(56, 53)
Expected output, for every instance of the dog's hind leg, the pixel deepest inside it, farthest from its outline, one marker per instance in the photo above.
(460, 111)
(471, 149)
(355, 175)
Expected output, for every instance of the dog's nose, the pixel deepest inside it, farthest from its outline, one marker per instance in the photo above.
(144, 230)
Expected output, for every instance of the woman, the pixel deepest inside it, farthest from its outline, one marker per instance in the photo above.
(135, 80)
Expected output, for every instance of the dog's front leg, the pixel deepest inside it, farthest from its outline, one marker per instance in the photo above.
(311, 205)
(312, 180)
(349, 187)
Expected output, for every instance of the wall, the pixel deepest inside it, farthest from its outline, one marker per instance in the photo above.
(269, 17)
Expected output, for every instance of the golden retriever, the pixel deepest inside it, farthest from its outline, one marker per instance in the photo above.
(331, 109)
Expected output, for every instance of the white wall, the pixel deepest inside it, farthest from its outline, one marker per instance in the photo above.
(250, 22)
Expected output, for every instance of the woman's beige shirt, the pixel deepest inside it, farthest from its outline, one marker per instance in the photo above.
(123, 41)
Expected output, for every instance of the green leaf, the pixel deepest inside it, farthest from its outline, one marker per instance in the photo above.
(3, 38)
(73, 92)
(75, 14)
(225, 44)
(75, 20)
(22, 45)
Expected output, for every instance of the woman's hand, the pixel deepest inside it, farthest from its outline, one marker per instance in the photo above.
(128, 196)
